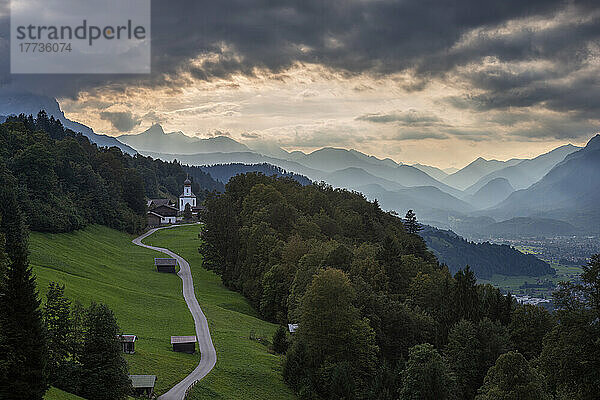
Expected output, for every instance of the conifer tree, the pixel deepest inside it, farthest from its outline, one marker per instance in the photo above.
(59, 328)
(187, 212)
(103, 368)
(411, 224)
(23, 351)
(280, 342)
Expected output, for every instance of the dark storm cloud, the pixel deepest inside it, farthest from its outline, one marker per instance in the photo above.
(121, 121)
(578, 95)
(204, 40)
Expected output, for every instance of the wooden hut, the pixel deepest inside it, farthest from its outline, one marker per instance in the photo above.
(165, 265)
(143, 385)
(184, 344)
(128, 343)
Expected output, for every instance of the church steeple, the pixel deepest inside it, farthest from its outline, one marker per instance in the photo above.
(187, 197)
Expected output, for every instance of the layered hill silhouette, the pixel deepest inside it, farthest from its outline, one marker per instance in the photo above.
(434, 172)
(491, 193)
(155, 138)
(470, 174)
(559, 185)
(569, 192)
(526, 172)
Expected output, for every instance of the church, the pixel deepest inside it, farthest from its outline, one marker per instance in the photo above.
(187, 197)
(166, 212)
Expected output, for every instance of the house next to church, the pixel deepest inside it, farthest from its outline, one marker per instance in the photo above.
(164, 212)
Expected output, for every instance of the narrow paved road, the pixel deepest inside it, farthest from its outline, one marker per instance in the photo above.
(207, 350)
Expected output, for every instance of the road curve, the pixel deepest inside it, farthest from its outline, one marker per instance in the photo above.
(208, 353)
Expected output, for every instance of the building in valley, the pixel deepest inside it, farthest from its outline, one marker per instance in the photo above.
(184, 344)
(162, 215)
(167, 265)
(143, 385)
(128, 343)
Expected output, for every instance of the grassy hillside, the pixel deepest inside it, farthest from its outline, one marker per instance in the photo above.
(245, 369)
(100, 264)
(57, 394)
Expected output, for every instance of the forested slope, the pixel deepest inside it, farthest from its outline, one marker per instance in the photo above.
(379, 317)
(485, 258)
(66, 183)
(362, 289)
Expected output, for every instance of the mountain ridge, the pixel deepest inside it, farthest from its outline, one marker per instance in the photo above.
(15, 103)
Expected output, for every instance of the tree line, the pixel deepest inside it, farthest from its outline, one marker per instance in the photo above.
(379, 316)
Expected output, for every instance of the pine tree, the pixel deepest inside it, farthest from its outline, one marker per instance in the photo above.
(466, 298)
(187, 212)
(280, 342)
(411, 224)
(59, 328)
(23, 349)
(104, 370)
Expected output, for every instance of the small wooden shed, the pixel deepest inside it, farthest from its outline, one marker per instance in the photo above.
(128, 343)
(165, 265)
(184, 344)
(143, 385)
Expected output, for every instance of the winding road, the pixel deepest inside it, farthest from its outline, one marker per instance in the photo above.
(208, 354)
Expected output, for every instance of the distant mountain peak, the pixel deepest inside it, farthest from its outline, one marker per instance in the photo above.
(594, 143)
(155, 129)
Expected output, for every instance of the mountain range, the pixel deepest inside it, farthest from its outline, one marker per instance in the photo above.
(470, 174)
(556, 186)
(527, 172)
(177, 143)
(570, 192)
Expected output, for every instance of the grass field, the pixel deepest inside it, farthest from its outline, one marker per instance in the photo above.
(514, 283)
(102, 265)
(57, 394)
(244, 369)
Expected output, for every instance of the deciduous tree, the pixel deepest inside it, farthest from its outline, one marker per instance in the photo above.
(426, 375)
(512, 378)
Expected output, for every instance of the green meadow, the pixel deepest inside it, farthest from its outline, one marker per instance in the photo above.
(102, 265)
(57, 394)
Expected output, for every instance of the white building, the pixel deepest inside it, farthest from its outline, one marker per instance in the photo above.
(187, 197)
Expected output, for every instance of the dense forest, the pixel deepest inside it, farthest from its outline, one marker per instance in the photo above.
(379, 316)
(485, 258)
(224, 172)
(65, 182)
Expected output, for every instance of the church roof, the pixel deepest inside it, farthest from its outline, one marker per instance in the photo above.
(187, 181)
(187, 197)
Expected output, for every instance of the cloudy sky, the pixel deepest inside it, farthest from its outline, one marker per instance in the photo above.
(437, 82)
